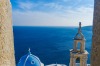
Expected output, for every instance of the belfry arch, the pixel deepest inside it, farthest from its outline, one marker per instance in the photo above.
(82, 45)
(78, 60)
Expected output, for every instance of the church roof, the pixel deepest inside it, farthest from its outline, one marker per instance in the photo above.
(79, 35)
(29, 60)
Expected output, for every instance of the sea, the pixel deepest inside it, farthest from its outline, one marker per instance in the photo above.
(51, 44)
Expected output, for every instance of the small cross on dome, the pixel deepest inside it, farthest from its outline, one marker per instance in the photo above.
(29, 50)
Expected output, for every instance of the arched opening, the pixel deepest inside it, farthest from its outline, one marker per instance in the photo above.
(78, 60)
(79, 45)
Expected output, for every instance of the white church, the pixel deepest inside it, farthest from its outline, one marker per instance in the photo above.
(75, 54)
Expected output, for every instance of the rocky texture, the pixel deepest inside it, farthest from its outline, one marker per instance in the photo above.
(95, 57)
(6, 35)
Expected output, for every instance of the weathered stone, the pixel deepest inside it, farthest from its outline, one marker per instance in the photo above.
(81, 53)
(6, 35)
(95, 55)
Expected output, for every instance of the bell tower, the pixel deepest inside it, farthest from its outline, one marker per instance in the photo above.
(81, 53)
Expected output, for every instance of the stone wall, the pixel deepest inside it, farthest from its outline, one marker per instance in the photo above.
(95, 55)
(6, 35)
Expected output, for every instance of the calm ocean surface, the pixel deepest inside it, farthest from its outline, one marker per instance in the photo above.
(50, 44)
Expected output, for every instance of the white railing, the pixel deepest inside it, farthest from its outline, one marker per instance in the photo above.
(56, 65)
(88, 65)
(77, 64)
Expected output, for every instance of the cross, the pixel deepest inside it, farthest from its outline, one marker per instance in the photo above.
(79, 30)
(29, 51)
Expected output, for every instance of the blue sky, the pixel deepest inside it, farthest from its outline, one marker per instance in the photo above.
(52, 12)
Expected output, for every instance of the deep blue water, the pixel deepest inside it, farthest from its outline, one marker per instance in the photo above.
(50, 44)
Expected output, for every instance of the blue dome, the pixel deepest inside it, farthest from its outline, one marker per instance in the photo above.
(29, 60)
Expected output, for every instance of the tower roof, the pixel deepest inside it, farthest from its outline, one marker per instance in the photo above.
(79, 35)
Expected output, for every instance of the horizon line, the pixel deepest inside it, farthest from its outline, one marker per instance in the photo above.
(49, 26)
